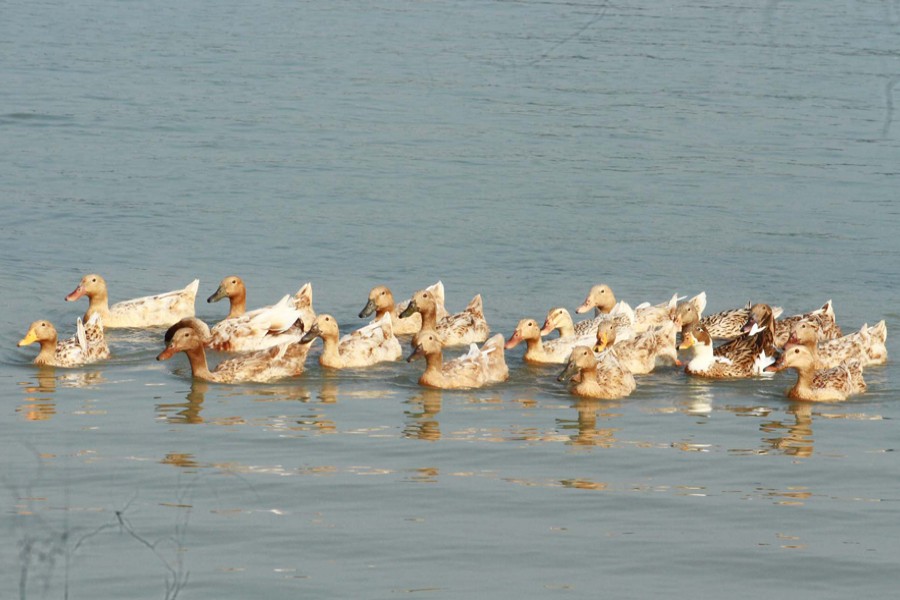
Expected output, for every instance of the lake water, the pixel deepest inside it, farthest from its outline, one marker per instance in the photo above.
(521, 150)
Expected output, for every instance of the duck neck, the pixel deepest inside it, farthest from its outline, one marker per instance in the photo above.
(331, 352)
(48, 352)
(99, 305)
(434, 371)
(429, 316)
(238, 304)
(703, 357)
(805, 377)
(197, 358)
(566, 328)
(589, 383)
(535, 348)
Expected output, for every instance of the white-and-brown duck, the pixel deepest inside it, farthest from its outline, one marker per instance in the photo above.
(265, 327)
(466, 327)
(754, 351)
(822, 385)
(261, 366)
(88, 345)
(148, 311)
(823, 317)
(866, 345)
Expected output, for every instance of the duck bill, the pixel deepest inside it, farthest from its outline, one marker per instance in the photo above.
(410, 309)
(688, 341)
(310, 335)
(584, 308)
(30, 338)
(416, 354)
(166, 354)
(76, 294)
(548, 328)
(218, 295)
(368, 309)
(569, 372)
(513, 340)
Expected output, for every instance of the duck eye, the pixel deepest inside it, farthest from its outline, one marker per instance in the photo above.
(382, 292)
(93, 280)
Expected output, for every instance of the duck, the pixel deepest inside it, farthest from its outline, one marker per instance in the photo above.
(558, 318)
(477, 368)
(261, 366)
(592, 377)
(381, 302)
(148, 311)
(822, 385)
(555, 351)
(640, 353)
(458, 329)
(753, 352)
(823, 317)
(724, 325)
(646, 316)
(88, 345)
(372, 344)
(866, 345)
(705, 363)
(233, 288)
(265, 327)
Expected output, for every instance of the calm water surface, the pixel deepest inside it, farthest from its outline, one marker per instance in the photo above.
(521, 150)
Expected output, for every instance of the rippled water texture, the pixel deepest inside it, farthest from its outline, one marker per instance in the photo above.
(520, 150)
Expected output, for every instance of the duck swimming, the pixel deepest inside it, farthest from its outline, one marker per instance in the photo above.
(477, 368)
(540, 352)
(381, 302)
(148, 311)
(461, 328)
(866, 345)
(822, 385)
(640, 353)
(372, 344)
(87, 346)
(590, 377)
(262, 366)
(264, 327)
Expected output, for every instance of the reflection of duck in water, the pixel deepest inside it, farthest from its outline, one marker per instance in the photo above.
(186, 412)
(588, 434)
(261, 366)
(424, 425)
(797, 440)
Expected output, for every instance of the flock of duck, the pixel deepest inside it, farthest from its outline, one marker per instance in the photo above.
(601, 354)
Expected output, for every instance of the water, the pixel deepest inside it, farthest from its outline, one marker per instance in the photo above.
(521, 150)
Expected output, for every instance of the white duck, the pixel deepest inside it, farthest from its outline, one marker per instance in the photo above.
(148, 311)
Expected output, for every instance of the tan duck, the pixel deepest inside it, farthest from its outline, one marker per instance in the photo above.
(558, 318)
(466, 327)
(590, 377)
(265, 327)
(233, 288)
(381, 302)
(646, 316)
(866, 345)
(148, 311)
(704, 362)
(724, 325)
(823, 317)
(555, 351)
(87, 346)
(640, 353)
(479, 367)
(261, 366)
(372, 344)
(823, 385)
(755, 351)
